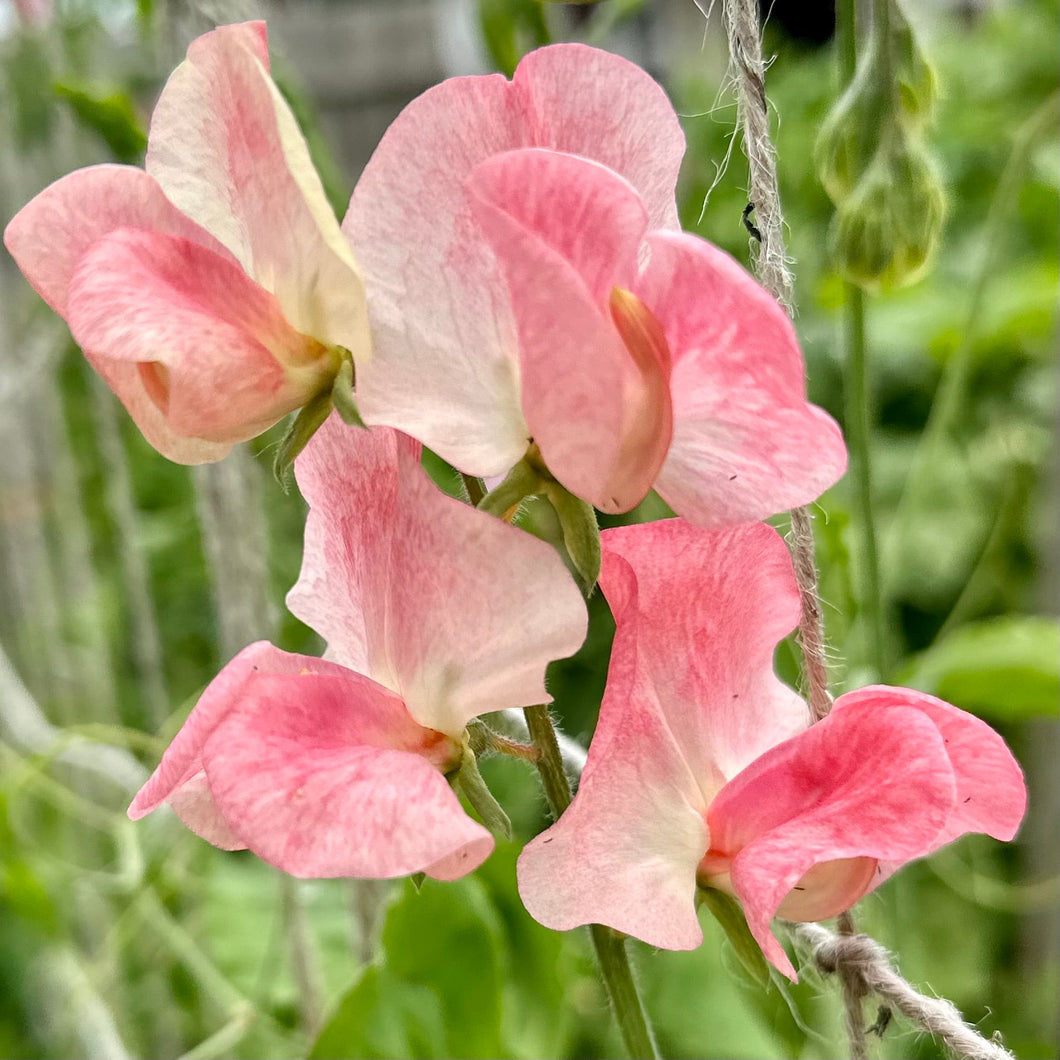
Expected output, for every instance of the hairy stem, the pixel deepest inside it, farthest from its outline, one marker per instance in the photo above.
(859, 432)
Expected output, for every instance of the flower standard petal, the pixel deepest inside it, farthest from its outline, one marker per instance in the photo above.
(226, 150)
(859, 784)
(566, 232)
(328, 775)
(625, 853)
(444, 367)
(712, 606)
(215, 354)
(690, 699)
(746, 443)
(455, 611)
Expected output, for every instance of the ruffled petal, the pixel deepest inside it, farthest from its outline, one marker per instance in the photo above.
(444, 367)
(327, 775)
(215, 354)
(183, 758)
(712, 606)
(49, 235)
(227, 151)
(625, 853)
(566, 232)
(588, 102)
(991, 791)
(860, 784)
(746, 443)
(454, 610)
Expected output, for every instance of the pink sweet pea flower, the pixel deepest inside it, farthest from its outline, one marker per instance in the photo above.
(434, 613)
(549, 296)
(704, 770)
(211, 292)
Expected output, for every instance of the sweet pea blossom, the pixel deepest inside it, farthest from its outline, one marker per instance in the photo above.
(704, 770)
(214, 292)
(548, 296)
(434, 613)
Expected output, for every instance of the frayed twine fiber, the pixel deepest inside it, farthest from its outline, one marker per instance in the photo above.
(867, 960)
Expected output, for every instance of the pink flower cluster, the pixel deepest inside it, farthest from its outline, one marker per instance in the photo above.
(510, 278)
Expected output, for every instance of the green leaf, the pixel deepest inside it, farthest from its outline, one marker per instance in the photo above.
(436, 991)
(112, 117)
(726, 910)
(383, 1016)
(1003, 668)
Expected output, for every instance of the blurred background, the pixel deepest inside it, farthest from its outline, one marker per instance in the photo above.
(127, 581)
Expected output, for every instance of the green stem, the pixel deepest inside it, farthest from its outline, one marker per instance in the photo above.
(618, 975)
(859, 432)
(610, 948)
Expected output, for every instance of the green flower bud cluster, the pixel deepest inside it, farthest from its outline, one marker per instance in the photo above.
(874, 161)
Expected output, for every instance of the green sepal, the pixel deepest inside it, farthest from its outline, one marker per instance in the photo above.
(727, 912)
(581, 534)
(416, 879)
(469, 780)
(524, 480)
(342, 391)
(305, 424)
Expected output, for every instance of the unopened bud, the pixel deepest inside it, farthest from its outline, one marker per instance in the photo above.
(885, 233)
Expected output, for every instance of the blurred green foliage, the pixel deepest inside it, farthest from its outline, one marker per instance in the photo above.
(142, 940)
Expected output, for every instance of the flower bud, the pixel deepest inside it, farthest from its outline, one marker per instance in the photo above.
(886, 232)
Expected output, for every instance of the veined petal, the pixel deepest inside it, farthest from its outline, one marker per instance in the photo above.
(746, 443)
(216, 355)
(712, 607)
(49, 235)
(991, 791)
(566, 232)
(328, 775)
(625, 853)
(444, 367)
(227, 151)
(454, 610)
(183, 758)
(860, 784)
(588, 102)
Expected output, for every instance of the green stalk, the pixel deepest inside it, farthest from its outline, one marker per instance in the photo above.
(610, 947)
(859, 433)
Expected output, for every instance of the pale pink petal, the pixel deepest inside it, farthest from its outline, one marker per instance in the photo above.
(712, 607)
(991, 791)
(227, 151)
(625, 853)
(566, 232)
(591, 103)
(125, 379)
(183, 758)
(215, 354)
(746, 443)
(444, 365)
(454, 610)
(193, 803)
(49, 235)
(327, 775)
(860, 784)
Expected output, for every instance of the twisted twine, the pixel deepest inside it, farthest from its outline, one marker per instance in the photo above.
(870, 963)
